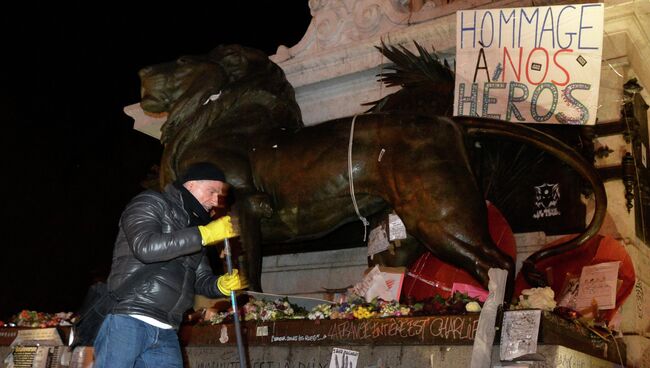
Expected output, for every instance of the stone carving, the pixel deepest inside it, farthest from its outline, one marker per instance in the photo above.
(339, 23)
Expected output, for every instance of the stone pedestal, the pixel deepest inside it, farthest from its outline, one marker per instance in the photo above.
(407, 342)
(404, 356)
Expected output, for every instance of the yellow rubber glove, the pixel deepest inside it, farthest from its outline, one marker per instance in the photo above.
(229, 282)
(217, 231)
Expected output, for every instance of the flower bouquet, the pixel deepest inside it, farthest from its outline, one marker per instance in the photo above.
(356, 308)
(261, 310)
(27, 318)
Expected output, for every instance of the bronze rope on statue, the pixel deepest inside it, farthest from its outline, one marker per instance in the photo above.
(351, 180)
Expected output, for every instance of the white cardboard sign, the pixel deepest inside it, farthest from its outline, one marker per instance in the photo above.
(535, 65)
(519, 333)
(598, 282)
(343, 358)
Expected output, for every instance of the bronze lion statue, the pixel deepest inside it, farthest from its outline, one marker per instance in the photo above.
(234, 107)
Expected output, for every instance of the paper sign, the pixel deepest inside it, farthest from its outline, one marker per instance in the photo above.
(598, 282)
(38, 356)
(38, 336)
(393, 278)
(262, 331)
(535, 65)
(377, 241)
(41, 357)
(383, 285)
(23, 356)
(373, 284)
(343, 358)
(223, 336)
(396, 228)
(519, 333)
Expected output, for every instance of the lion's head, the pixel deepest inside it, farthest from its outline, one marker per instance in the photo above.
(215, 103)
(164, 85)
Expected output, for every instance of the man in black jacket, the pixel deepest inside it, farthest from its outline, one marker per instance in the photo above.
(159, 258)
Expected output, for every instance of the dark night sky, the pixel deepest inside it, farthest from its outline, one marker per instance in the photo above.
(70, 157)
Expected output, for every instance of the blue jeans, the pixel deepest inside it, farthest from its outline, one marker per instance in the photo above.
(124, 341)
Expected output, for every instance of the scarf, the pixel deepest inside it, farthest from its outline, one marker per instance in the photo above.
(198, 214)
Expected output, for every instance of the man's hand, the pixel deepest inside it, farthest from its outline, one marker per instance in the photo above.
(229, 282)
(217, 231)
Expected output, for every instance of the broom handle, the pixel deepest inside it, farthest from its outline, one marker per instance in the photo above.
(233, 300)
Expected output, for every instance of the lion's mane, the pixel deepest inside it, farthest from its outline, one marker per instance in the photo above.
(218, 106)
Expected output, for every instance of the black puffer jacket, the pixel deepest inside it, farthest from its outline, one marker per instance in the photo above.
(154, 234)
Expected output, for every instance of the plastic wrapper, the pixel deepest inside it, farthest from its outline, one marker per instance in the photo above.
(484, 339)
(429, 276)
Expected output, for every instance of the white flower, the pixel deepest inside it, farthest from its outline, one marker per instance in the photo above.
(538, 298)
(473, 307)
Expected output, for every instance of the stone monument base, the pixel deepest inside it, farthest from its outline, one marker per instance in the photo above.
(405, 356)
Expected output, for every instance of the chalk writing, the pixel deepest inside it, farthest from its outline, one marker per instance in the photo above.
(262, 364)
(571, 361)
(218, 364)
(453, 328)
(372, 329)
(209, 357)
(286, 364)
(298, 338)
(457, 328)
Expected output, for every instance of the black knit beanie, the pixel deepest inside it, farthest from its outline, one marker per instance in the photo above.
(202, 171)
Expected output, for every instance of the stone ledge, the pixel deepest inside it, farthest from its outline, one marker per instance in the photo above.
(352, 256)
(638, 351)
(403, 331)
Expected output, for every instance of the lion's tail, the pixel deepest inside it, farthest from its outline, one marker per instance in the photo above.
(475, 126)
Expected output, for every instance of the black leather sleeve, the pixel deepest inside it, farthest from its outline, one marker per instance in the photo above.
(206, 281)
(148, 238)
